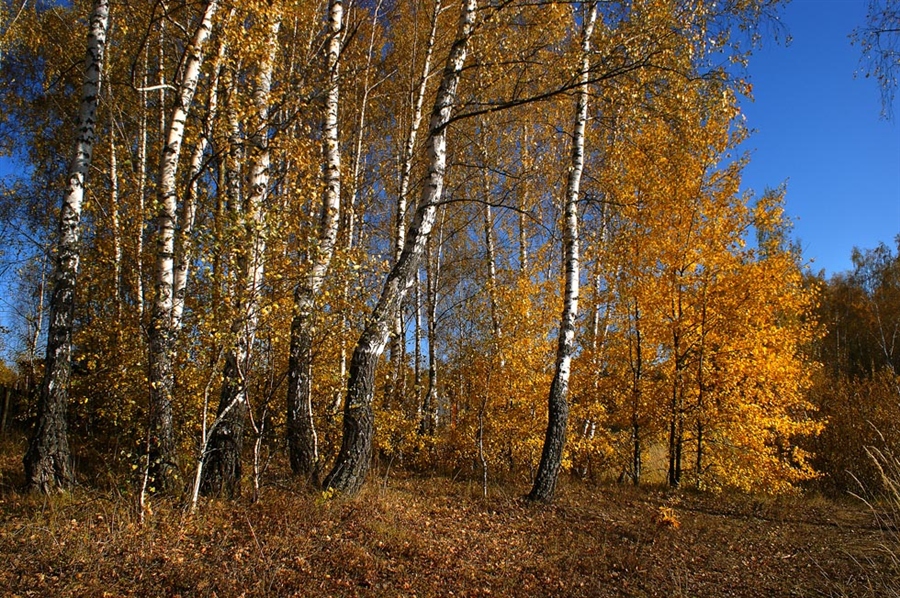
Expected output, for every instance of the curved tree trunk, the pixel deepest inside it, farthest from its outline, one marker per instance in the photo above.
(395, 388)
(47, 461)
(558, 406)
(184, 245)
(301, 432)
(352, 464)
(161, 332)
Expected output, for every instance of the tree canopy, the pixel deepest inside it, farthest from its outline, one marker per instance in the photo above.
(281, 190)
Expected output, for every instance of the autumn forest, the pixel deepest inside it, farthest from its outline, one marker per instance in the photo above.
(494, 240)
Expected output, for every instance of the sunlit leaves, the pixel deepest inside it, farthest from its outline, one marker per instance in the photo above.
(691, 318)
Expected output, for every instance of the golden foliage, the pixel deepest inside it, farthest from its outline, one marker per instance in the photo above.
(695, 343)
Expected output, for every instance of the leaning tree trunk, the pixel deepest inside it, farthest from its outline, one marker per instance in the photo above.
(161, 333)
(558, 406)
(221, 458)
(47, 461)
(301, 432)
(412, 135)
(352, 463)
(183, 244)
(395, 386)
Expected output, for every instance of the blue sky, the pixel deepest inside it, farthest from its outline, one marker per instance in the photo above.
(818, 130)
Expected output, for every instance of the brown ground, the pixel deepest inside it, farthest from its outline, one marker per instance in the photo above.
(413, 536)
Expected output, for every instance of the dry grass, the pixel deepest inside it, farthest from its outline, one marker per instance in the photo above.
(414, 536)
(884, 576)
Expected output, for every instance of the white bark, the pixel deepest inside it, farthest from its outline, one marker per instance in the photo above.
(490, 250)
(114, 224)
(47, 460)
(410, 147)
(352, 463)
(523, 205)
(551, 457)
(397, 344)
(141, 196)
(183, 239)
(168, 198)
(161, 333)
(302, 437)
(428, 420)
(332, 198)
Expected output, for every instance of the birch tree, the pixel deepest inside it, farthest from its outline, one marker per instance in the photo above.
(221, 457)
(47, 462)
(558, 407)
(428, 409)
(161, 449)
(395, 389)
(184, 239)
(352, 463)
(301, 433)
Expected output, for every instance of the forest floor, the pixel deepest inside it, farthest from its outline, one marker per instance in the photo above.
(408, 535)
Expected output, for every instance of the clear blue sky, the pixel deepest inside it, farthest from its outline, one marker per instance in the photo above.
(818, 130)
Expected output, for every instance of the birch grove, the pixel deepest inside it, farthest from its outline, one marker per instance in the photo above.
(269, 212)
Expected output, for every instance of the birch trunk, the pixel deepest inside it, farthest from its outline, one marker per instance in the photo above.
(428, 420)
(523, 205)
(496, 328)
(161, 333)
(352, 464)
(114, 225)
(397, 336)
(301, 432)
(184, 238)
(222, 470)
(141, 195)
(417, 362)
(47, 461)
(558, 406)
